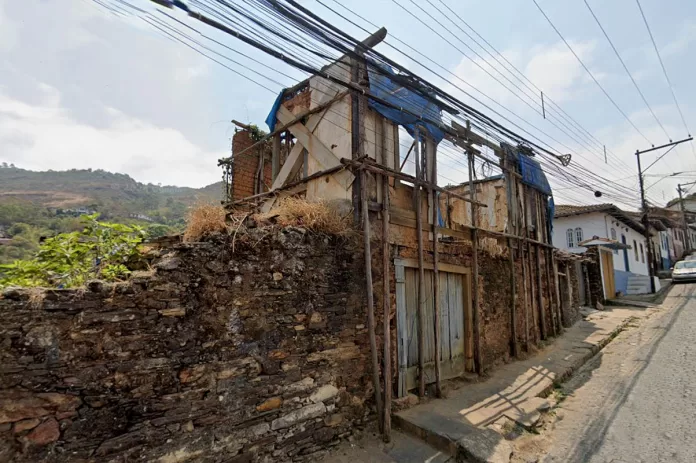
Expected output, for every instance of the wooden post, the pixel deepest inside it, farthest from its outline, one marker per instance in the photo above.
(478, 363)
(540, 290)
(559, 313)
(512, 227)
(370, 298)
(386, 299)
(523, 258)
(275, 157)
(540, 294)
(421, 271)
(436, 274)
(513, 300)
(550, 285)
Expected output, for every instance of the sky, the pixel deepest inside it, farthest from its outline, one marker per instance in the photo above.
(81, 87)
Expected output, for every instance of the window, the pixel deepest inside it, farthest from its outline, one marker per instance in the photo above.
(635, 249)
(642, 254)
(570, 238)
(578, 236)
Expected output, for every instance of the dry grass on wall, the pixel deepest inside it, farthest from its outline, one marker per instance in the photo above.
(203, 220)
(317, 216)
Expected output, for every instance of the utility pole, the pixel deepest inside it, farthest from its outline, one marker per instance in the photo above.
(644, 205)
(683, 211)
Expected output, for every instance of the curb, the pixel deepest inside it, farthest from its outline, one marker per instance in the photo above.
(483, 445)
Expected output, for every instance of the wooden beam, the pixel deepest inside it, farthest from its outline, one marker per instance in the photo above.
(421, 273)
(370, 297)
(559, 312)
(526, 304)
(436, 275)
(315, 147)
(478, 355)
(550, 286)
(369, 165)
(386, 299)
(512, 216)
(540, 294)
(404, 221)
(275, 157)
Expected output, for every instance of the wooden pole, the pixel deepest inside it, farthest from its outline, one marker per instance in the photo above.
(513, 301)
(550, 284)
(436, 274)
(275, 157)
(540, 295)
(386, 300)
(478, 362)
(512, 226)
(559, 313)
(523, 258)
(421, 271)
(370, 297)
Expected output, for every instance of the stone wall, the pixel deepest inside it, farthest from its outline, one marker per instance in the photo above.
(235, 350)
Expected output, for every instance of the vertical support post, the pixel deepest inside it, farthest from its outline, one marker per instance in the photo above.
(478, 363)
(421, 270)
(275, 158)
(436, 274)
(370, 297)
(548, 258)
(513, 297)
(523, 251)
(559, 314)
(646, 225)
(512, 229)
(386, 299)
(540, 295)
(684, 222)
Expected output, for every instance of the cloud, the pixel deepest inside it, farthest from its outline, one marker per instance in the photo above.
(8, 30)
(686, 36)
(44, 136)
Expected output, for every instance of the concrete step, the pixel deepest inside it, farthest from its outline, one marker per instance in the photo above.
(462, 441)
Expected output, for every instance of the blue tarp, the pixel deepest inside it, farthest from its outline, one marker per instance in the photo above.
(532, 174)
(271, 118)
(387, 89)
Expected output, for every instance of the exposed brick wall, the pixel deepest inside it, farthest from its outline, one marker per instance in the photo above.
(246, 163)
(254, 355)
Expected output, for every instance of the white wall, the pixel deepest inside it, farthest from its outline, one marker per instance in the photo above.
(600, 224)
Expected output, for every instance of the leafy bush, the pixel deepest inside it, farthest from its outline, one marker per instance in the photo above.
(101, 250)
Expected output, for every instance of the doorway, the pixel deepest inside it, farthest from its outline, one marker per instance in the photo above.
(456, 341)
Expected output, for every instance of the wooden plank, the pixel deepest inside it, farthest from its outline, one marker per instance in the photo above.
(478, 356)
(434, 207)
(525, 292)
(421, 272)
(513, 302)
(315, 147)
(554, 264)
(445, 351)
(456, 304)
(386, 299)
(542, 317)
(398, 219)
(275, 157)
(401, 327)
(429, 334)
(449, 268)
(412, 315)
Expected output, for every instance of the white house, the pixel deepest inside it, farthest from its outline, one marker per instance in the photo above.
(575, 224)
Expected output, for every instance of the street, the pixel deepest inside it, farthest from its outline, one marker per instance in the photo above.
(635, 401)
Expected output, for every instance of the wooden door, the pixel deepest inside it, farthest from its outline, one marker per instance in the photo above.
(607, 259)
(454, 325)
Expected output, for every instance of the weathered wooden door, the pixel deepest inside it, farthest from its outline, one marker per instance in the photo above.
(607, 261)
(453, 325)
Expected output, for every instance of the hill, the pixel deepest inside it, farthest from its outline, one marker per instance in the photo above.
(34, 204)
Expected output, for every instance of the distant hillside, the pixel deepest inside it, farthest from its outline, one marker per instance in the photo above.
(113, 195)
(34, 204)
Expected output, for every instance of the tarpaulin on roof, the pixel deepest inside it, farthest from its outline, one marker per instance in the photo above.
(383, 86)
(532, 174)
(271, 118)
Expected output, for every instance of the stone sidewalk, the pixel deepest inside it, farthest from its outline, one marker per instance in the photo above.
(466, 424)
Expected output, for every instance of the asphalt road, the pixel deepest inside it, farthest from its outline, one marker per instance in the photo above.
(635, 401)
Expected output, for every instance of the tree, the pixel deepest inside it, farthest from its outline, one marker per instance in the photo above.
(100, 250)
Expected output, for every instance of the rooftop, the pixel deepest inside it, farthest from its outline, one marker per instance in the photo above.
(567, 210)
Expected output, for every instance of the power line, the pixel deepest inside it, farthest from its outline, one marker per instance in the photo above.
(664, 70)
(635, 84)
(590, 73)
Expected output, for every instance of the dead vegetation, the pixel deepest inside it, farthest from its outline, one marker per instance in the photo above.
(203, 220)
(317, 216)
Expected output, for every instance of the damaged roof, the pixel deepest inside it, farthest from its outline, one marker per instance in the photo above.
(567, 210)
